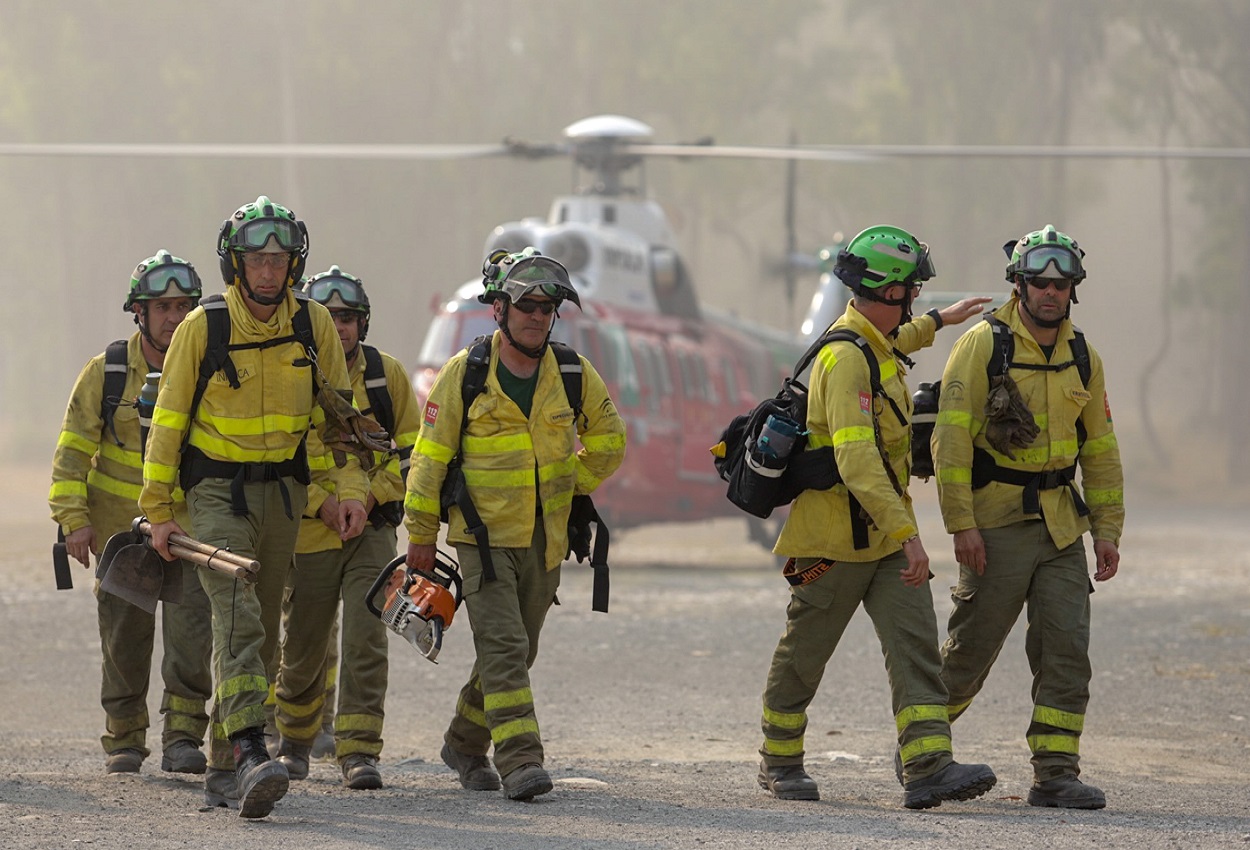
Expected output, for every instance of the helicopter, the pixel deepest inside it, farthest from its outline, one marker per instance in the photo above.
(678, 370)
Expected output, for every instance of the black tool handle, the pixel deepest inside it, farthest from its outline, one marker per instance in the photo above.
(60, 562)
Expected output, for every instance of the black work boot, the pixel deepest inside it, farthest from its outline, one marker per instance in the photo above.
(954, 782)
(262, 781)
(294, 758)
(1066, 792)
(123, 761)
(221, 788)
(360, 772)
(183, 757)
(475, 772)
(527, 782)
(789, 782)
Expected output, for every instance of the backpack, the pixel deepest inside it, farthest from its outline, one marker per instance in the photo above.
(762, 478)
(984, 468)
(582, 512)
(382, 408)
(197, 466)
(115, 367)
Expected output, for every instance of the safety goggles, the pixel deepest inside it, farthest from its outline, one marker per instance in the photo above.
(157, 280)
(1036, 260)
(538, 274)
(528, 306)
(255, 234)
(351, 293)
(924, 267)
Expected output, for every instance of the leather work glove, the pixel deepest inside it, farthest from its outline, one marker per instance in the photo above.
(580, 517)
(348, 431)
(1008, 420)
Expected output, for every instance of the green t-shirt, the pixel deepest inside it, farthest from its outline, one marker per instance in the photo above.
(520, 390)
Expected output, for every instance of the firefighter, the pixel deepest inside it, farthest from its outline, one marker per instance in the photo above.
(327, 568)
(522, 470)
(857, 542)
(97, 473)
(1010, 432)
(233, 435)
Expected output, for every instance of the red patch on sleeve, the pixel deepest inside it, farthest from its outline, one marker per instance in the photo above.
(865, 402)
(1106, 403)
(431, 413)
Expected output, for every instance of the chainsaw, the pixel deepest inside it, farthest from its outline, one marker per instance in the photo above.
(418, 605)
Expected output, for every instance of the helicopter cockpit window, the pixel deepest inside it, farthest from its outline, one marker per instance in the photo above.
(731, 381)
(618, 363)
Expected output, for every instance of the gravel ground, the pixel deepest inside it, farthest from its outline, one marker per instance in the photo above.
(650, 715)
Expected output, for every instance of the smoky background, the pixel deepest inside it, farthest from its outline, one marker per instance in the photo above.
(1166, 241)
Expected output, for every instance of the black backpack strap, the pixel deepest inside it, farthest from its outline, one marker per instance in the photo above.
(455, 490)
(571, 375)
(216, 353)
(380, 406)
(116, 359)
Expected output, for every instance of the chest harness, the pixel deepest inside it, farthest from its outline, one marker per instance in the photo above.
(985, 469)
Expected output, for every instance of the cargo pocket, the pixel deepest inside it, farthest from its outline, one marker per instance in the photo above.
(962, 595)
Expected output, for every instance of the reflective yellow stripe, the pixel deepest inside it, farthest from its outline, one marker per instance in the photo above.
(1101, 498)
(917, 713)
(818, 441)
(238, 454)
(434, 451)
(955, 475)
(953, 711)
(175, 722)
(421, 504)
(793, 747)
(1068, 720)
(303, 712)
(860, 434)
(604, 442)
(242, 685)
(159, 472)
(246, 718)
(255, 426)
(67, 488)
(827, 358)
(408, 438)
(587, 481)
(923, 746)
(558, 501)
(70, 440)
(349, 746)
(185, 705)
(123, 456)
(783, 720)
(497, 445)
(1098, 445)
(1055, 744)
(499, 477)
(888, 370)
(358, 723)
(320, 463)
(557, 469)
(957, 418)
(163, 418)
(471, 713)
(512, 729)
(1042, 420)
(508, 699)
(108, 484)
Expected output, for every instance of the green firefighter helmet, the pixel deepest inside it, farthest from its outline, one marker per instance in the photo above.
(163, 276)
(1045, 253)
(882, 255)
(513, 276)
(338, 290)
(265, 227)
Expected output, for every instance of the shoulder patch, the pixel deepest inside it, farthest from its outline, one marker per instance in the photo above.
(431, 413)
(865, 402)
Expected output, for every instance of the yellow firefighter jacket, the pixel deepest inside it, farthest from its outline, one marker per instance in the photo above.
(263, 421)
(840, 412)
(386, 478)
(1057, 400)
(510, 462)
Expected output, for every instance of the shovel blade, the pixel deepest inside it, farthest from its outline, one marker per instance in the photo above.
(115, 544)
(137, 574)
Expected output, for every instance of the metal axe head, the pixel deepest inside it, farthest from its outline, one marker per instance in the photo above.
(135, 573)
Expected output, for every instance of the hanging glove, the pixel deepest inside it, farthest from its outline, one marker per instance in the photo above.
(348, 431)
(1008, 420)
(581, 515)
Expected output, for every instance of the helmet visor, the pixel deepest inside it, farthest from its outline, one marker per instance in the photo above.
(352, 294)
(924, 266)
(253, 235)
(1064, 261)
(538, 274)
(158, 280)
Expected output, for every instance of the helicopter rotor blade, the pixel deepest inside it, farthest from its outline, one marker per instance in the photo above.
(257, 151)
(867, 153)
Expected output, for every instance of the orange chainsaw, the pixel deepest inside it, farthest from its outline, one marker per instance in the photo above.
(418, 605)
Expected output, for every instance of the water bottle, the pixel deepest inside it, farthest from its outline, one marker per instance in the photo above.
(147, 404)
(777, 437)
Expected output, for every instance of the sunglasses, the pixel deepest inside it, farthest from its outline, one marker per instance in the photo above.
(528, 306)
(323, 289)
(157, 280)
(1061, 284)
(253, 235)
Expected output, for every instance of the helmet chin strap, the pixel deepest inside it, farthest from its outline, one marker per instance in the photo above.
(905, 302)
(143, 329)
(531, 353)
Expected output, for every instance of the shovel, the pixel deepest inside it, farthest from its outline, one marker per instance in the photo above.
(131, 569)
